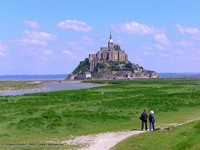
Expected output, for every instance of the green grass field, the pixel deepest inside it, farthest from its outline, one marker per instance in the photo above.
(35, 120)
(183, 137)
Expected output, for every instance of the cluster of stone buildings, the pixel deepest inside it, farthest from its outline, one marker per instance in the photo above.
(111, 53)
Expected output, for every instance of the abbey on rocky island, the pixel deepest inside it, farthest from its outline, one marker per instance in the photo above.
(109, 62)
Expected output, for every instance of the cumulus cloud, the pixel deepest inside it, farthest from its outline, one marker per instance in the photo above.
(162, 39)
(39, 35)
(185, 43)
(189, 30)
(121, 40)
(32, 24)
(36, 42)
(74, 25)
(88, 41)
(3, 49)
(75, 45)
(145, 47)
(192, 31)
(135, 28)
(68, 53)
(36, 38)
(159, 46)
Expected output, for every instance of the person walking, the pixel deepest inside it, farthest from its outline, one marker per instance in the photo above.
(151, 121)
(144, 118)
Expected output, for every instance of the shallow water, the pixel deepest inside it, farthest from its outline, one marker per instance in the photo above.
(52, 86)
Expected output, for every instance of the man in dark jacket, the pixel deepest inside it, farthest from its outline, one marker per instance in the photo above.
(144, 118)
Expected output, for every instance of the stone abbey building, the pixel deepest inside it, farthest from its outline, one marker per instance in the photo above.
(111, 53)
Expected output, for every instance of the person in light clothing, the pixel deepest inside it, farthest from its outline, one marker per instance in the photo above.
(151, 121)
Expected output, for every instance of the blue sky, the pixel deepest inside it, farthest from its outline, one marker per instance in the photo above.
(53, 36)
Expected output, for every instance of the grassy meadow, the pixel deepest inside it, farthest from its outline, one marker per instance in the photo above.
(184, 137)
(43, 120)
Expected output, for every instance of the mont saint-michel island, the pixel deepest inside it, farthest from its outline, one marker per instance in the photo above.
(110, 62)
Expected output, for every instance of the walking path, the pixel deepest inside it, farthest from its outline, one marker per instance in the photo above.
(105, 141)
(102, 141)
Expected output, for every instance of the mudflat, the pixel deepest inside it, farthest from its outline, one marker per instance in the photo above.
(9, 88)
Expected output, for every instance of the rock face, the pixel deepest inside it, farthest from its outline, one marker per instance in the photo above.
(109, 62)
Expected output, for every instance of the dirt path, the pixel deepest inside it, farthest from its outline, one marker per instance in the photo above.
(105, 141)
(102, 141)
(179, 124)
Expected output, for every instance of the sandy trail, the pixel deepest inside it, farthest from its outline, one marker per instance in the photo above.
(105, 141)
(102, 141)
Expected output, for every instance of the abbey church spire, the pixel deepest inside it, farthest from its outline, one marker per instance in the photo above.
(110, 42)
(110, 35)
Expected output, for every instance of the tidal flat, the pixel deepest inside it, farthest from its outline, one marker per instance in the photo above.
(12, 88)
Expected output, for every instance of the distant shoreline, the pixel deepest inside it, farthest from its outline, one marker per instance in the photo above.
(62, 77)
(180, 75)
(32, 77)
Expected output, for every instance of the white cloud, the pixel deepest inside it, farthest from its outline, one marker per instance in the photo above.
(185, 43)
(74, 45)
(135, 28)
(159, 46)
(88, 41)
(41, 55)
(32, 24)
(162, 39)
(74, 25)
(36, 42)
(192, 31)
(3, 49)
(39, 35)
(121, 41)
(145, 47)
(35, 38)
(68, 53)
(189, 30)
